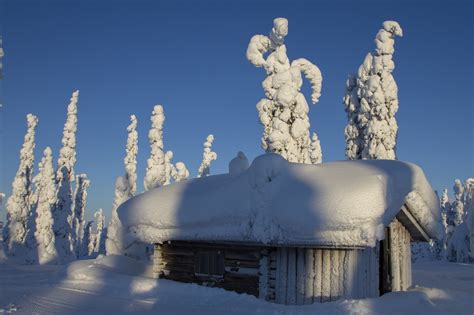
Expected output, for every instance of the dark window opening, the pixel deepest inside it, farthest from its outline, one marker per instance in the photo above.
(210, 263)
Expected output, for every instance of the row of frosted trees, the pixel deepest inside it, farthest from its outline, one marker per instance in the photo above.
(160, 171)
(45, 212)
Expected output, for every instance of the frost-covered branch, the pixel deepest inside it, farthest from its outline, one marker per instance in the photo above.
(18, 235)
(371, 101)
(284, 111)
(207, 157)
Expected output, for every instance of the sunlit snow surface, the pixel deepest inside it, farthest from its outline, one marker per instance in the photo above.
(115, 285)
(274, 201)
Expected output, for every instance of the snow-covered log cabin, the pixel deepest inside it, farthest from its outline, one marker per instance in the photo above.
(290, 233)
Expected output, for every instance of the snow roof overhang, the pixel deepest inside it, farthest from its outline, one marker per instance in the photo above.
(417, 232)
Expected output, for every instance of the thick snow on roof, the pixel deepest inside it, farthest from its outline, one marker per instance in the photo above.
(344, 203)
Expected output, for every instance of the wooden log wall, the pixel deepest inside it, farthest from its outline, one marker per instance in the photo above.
(400, 256)
(177, 261)
(305, 275)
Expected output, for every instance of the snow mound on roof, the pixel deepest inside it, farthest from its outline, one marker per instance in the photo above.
(344, 203)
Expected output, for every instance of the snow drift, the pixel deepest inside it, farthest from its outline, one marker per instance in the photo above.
(344, 203)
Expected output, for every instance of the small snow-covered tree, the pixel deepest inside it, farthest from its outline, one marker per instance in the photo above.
(130, 159)
(155, 173)
(46, 192)
(284, 111)
(371, 101)
(315, 150)
(238, 164)
(18, 235)
(100, 232)
(114, 242)
(87, 245)
(207, 157)
(64, 176)
(457, 207)
(77, 218)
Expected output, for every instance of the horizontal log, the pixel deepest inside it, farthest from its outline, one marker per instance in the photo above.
(250, 256)
(242, 270)
(242, 263)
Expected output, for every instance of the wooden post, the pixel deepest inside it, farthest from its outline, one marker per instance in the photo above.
(309, 279)
(318, 275)
(300, 276)
(291, 285)
(395, 255)
(326, 276)
(282, 271)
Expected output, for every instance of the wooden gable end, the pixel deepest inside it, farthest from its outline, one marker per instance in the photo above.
(417, 233)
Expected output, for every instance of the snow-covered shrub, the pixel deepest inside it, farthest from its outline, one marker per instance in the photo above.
(238, 164)
(18, 235)
(371, 101)
(46, 192)
(64, 176)
(181, 172)
(77, 220)
(207, 157)
(130, 159)
(284, 111)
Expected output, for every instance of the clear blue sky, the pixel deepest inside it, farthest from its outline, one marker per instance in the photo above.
(126, 56)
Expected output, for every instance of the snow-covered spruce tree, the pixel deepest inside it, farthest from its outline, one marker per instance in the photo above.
(114, 242)
(100, 232)
(155, 173)
(130, 159)
(87, 245)
(284, 111)
(315, 150)
(77, 218)
(160, 170)
(46, 192)
(207, 157)
(18, 235)
(64, 176)
(457, 206)
(371, 101)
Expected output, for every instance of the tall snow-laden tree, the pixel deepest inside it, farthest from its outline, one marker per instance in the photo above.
(207, 157)
(46, 192)
(155, 172)
(130, 160)
(64, 177)
(100, 232)
(371, 101)
(87, 245)
(18, 235)
(284, 111)
(77, 218)
(114, 242)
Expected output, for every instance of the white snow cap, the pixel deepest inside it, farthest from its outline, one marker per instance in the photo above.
(238, 164)
(344, 203)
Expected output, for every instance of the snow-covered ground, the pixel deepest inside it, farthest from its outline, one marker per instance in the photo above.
(111, 285)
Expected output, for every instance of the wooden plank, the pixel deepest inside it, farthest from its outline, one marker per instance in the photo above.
(282, 270)
(309, 276)
(342, 254)
(291, 285)
(334, 256)
(263, 277)
(318, 274)
(409, 270)
(300, 276)
(394, 248)
(326, 276)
